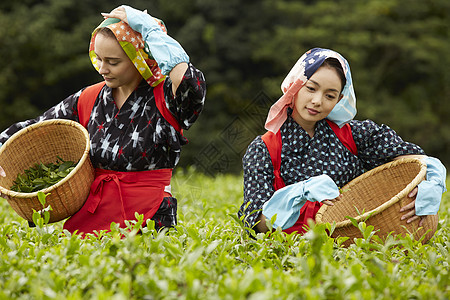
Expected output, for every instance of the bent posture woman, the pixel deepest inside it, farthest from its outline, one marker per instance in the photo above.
(134, 118)
(313, 146)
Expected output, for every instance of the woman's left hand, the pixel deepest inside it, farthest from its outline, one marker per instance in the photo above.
(411, 210)
(330, 202)
(118, 13)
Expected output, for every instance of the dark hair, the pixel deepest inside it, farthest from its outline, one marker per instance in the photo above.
(333, 63)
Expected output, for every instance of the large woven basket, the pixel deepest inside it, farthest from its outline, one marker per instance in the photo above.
(379, 193)
(42, 143)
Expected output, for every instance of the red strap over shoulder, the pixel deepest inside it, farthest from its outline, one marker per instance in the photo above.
(344, 134)
(308, 211)
(89, 95)
(273, 143)
(161, 105)
(87, 100)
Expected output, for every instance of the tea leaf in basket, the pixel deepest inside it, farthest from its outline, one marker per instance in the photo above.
(42, 176)
(65, 166)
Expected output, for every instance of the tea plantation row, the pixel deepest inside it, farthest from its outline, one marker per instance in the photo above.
(210, 256)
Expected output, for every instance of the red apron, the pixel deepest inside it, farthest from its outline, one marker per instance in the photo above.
(273, 143)
(117, 196)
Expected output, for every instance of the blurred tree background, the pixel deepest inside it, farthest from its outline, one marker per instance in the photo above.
(398, 51)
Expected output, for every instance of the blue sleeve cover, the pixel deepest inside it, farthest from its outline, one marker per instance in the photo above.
(287, 202)
(430, 191)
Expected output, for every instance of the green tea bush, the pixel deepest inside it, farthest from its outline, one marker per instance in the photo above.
(210, 255)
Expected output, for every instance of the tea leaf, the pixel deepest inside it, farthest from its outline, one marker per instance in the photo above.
(42, 176)
(41, 197)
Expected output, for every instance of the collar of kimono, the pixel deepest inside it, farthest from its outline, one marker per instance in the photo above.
(134, 46)
(308, 63)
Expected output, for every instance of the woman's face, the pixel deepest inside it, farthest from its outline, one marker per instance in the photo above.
(317, 98)
(113, 63)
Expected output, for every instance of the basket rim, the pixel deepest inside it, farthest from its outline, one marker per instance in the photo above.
(419, 177)
(32, 127)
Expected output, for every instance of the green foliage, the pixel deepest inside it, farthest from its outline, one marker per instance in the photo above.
(42, 176)
(397, 49)
(45, 53)
(41, 217)
(210, 256)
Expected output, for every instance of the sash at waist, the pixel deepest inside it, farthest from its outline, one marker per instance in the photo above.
(127, 180)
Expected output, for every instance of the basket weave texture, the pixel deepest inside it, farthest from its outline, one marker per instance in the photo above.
(42, 143)
(376, 197)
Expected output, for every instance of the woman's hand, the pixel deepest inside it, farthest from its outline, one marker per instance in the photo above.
(411, 209)
(3, 174)
(118, 13)
(330, 202)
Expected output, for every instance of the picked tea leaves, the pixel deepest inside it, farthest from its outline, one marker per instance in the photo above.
(42, 176)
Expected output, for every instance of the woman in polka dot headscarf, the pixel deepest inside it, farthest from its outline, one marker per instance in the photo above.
(313, 146)
(135, 117)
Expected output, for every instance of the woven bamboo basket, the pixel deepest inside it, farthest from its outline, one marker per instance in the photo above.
(42, 143)
(376, 197)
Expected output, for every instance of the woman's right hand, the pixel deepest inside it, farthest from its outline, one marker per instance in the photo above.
(118, 13)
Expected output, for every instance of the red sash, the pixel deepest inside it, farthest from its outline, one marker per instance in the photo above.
(117, 196)
(273, 143)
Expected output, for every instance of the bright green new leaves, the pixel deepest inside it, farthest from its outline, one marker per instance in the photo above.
(42, 176)
(211, 256)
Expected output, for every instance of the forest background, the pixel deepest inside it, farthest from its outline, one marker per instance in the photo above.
(398, 51)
